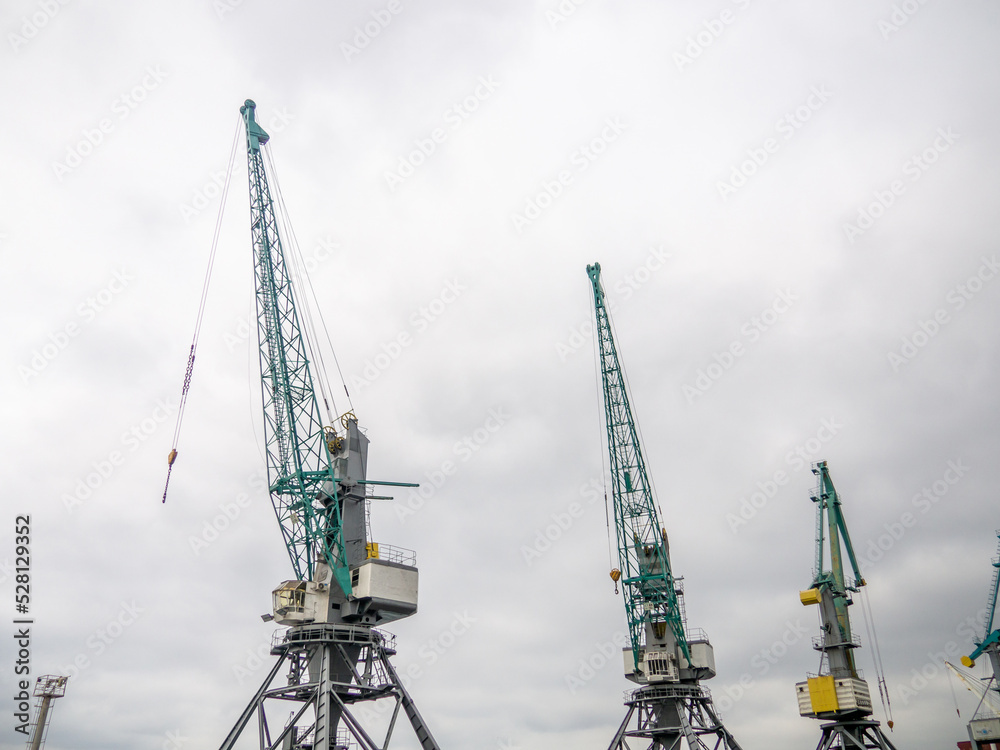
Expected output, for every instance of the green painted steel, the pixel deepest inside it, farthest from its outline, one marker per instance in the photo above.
(832, 582)
(648, 585)
(991, 636)
(299, 466)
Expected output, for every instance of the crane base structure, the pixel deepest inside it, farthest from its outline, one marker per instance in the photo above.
(667, 715)
(332, 668)
(864, 734)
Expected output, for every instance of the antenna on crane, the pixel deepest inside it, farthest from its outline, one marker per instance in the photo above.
(665, 657)
(47, 688)
(837, 693)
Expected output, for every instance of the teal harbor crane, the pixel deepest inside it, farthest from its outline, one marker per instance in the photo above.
(837, 693)
(345, 583)
(984, 729)
(671, 709)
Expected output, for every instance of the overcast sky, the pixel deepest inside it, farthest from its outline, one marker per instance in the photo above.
(794, 206)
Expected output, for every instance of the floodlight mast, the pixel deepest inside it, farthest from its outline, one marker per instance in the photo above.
(666, 658)
(345, 583)
(47, 688)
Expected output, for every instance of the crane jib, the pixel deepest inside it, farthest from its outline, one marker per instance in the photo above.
(300, 473)
(644, 564)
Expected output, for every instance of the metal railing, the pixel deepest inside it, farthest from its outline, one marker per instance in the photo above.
(399, 555)
(821, 643)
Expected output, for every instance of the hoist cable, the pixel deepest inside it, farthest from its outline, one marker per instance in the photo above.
(307, 292)
(883, 689)
(954, 695)
(598, 384)
(295, 271)
(172, 456)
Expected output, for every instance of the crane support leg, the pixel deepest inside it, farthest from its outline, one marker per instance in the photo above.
(333, 669)
(854, 735)
(666, 716)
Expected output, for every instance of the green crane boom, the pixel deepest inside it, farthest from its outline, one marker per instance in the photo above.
(648, 584)
(299, 465)
(990, 641)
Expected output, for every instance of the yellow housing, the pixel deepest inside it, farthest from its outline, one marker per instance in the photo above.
(809, 596)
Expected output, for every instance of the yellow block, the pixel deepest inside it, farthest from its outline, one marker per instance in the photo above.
(809, 596)
(823, 694)
(372, 549)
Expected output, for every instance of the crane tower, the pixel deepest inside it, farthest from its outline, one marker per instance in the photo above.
(345, 584)
(665, 657)
(837, 692)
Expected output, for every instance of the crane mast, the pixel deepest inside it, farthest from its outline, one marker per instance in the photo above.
(345, 584)
(663, 656)
(837, 692)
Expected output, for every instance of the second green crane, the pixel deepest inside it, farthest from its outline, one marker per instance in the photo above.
(666, 658)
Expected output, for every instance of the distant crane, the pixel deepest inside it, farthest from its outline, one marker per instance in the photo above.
(985, 729)
(665, 657)
(837, 692)
(47, 688)
(345, 583)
